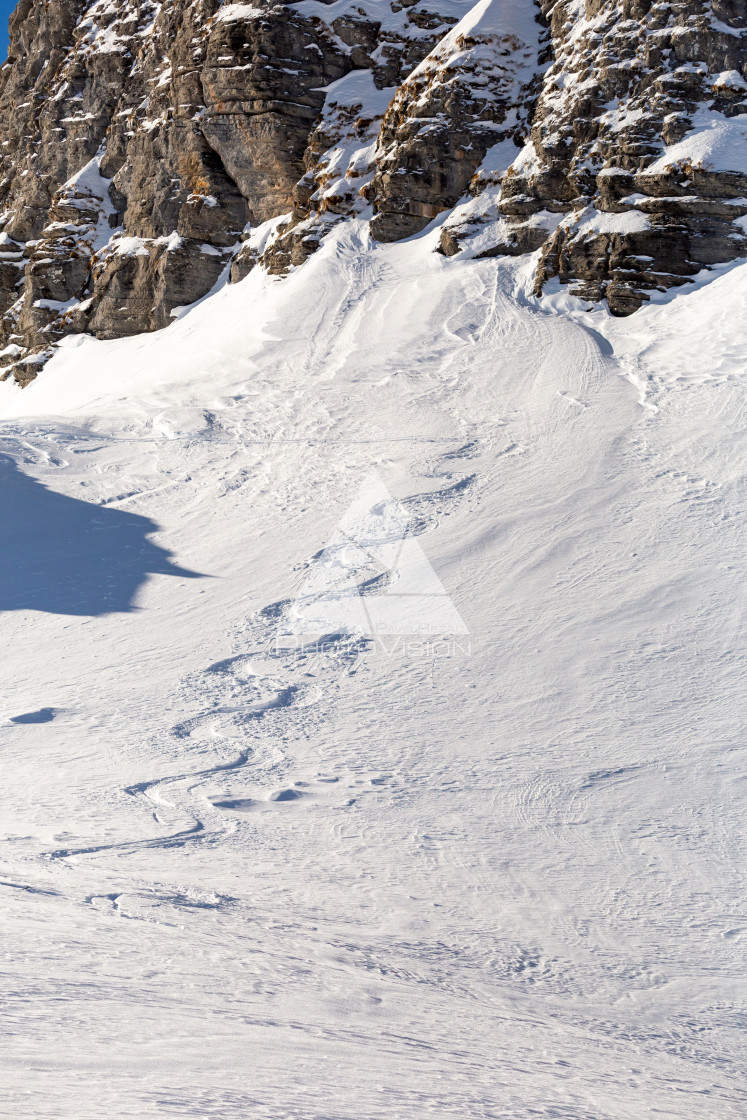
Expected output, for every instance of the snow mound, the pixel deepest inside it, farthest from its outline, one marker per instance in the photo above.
(716, 143)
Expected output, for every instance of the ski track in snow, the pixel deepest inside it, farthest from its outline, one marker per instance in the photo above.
(337, 884)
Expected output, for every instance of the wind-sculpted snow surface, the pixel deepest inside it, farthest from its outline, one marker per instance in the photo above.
(494, 875)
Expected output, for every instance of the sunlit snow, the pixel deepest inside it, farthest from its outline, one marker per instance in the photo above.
(493, 875)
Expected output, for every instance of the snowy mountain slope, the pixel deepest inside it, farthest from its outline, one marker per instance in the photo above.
(502, 878)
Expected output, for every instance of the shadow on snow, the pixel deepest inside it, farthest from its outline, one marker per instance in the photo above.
(64, 556)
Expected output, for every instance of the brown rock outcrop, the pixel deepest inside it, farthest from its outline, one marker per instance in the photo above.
(473, 91)
(150, 150)
(637, 142)
(140, 139)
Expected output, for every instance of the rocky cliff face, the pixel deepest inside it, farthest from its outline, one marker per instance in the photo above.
(634, 175)
(144, 142)
(149, 148)
(473, 92)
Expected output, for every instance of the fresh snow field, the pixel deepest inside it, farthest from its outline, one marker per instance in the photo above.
(500, 875)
